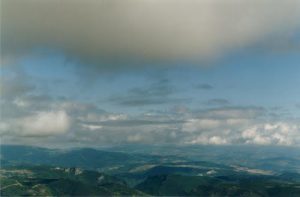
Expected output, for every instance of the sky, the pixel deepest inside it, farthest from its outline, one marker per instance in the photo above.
(109, 72)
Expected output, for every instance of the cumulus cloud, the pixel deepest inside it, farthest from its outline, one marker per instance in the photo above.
(168, 29)
(45, 123)
(214, 140)
(91, 125)
(280, 133)
(216, 126)
(237, 128)
(96, 117)
(40, 124)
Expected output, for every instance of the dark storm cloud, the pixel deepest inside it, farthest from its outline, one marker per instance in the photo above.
(94, 30)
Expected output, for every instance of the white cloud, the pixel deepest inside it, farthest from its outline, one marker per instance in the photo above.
(40, 124)
(216, 126)
(217, 140)
(227, 128)
(276, 133)
(96, 117)
(21, 103)
(202, 139)
(135, 138)
(195, 125)
(45, 123)
(91, 127)
(249, 133)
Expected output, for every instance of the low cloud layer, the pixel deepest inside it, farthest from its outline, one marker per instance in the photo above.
(140, 29)
(69, 123)
(242, 131)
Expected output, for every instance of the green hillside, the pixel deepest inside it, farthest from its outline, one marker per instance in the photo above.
(45, 181)
(33, 171)
(173, 185)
